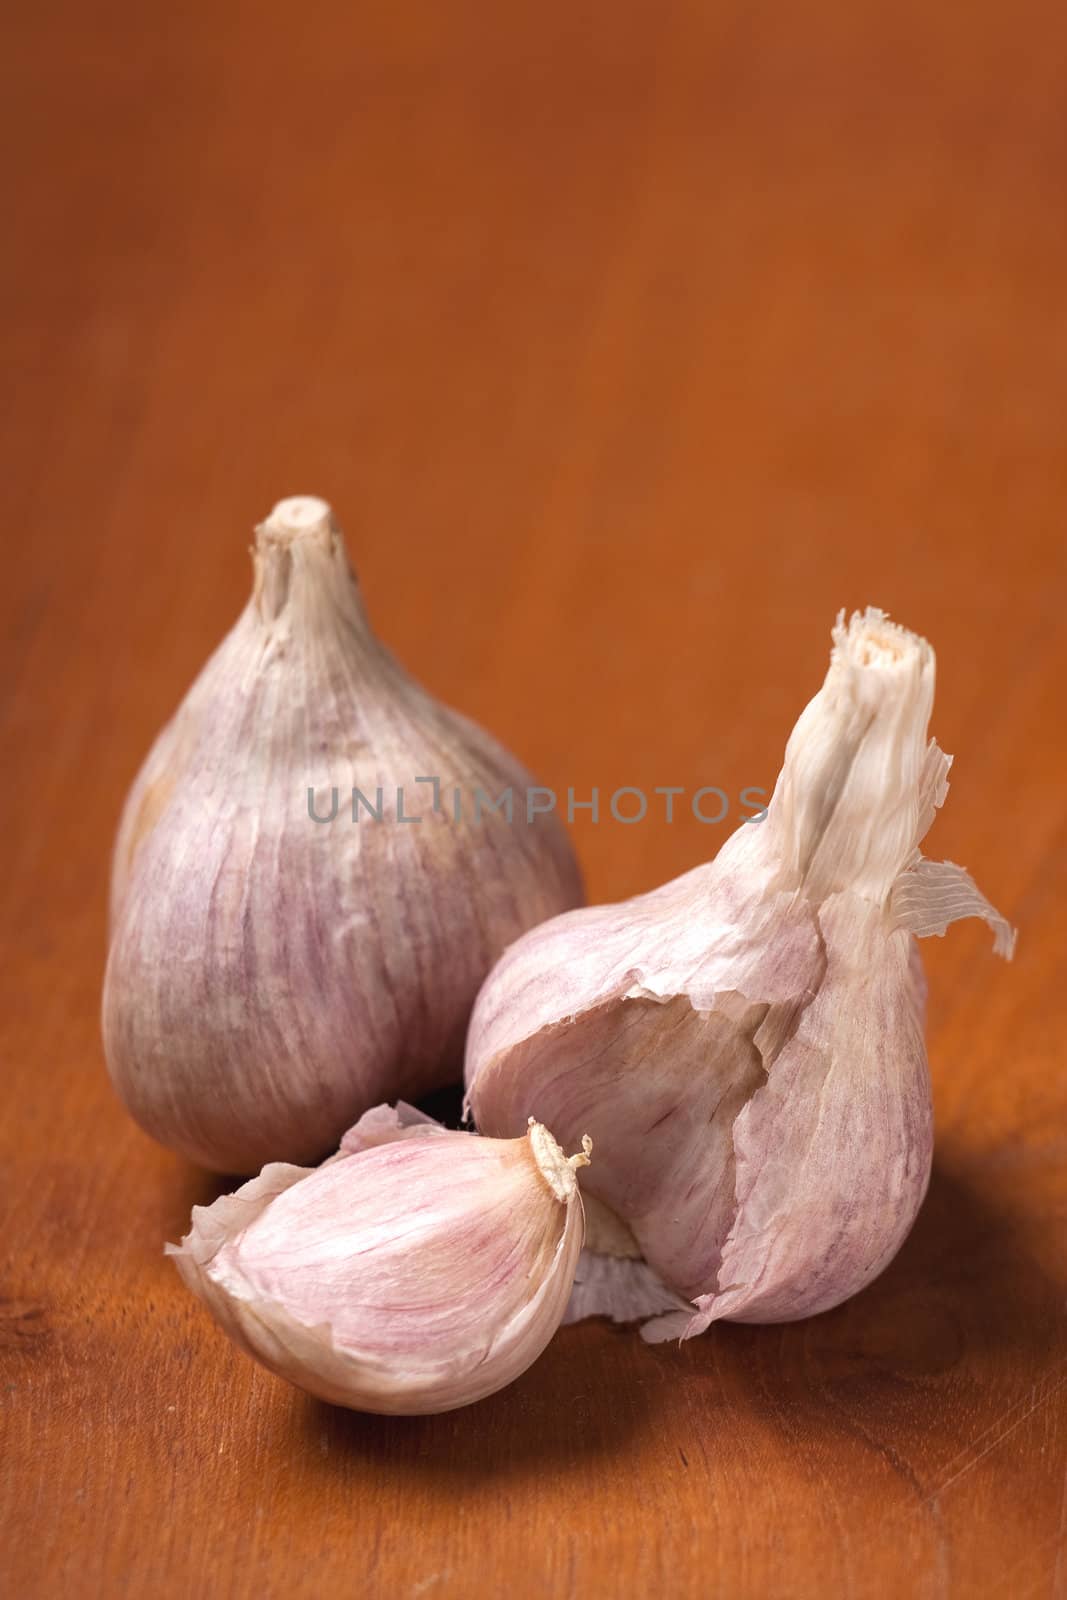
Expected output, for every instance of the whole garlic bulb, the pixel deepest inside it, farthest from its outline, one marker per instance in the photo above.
(746, 1043)
(416, 1271)
(270, 975)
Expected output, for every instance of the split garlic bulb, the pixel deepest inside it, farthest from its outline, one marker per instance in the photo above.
(746, 1043)
(271, 975)
(416, 1271)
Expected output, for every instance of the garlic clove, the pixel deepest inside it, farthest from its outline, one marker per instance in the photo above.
(270, 977)
(416, 1271)
(746, 1042)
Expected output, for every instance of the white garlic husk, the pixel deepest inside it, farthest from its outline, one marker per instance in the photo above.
(272, 976)
(416, 1271)
(746, 1043)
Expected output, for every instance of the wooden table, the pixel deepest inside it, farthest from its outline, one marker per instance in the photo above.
(630, 341)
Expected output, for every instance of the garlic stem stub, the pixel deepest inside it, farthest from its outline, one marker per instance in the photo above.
(271, 977)
(416, 1271)
(746, 1043)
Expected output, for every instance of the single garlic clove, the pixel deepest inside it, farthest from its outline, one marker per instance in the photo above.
(270, 976)
(416, 1271)
(746, 1043)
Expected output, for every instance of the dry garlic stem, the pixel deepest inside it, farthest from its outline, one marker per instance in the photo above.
(746, 1043)
(416, 1271)
(270, 975)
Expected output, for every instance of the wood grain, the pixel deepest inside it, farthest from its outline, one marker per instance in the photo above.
(630, 342)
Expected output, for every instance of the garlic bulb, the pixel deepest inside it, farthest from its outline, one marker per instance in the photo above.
(415, 1271)
(746, 1043)
(272, 974)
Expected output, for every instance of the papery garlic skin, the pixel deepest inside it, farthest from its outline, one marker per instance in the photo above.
(746, 1042)
(271, 977)
(417, 1271)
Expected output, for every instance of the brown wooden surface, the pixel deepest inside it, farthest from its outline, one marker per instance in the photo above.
(630, 341)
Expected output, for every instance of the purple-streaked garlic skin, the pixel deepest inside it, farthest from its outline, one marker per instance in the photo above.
(745, 1044)
(416, 1271)
(671, 1070)
(270, 977)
